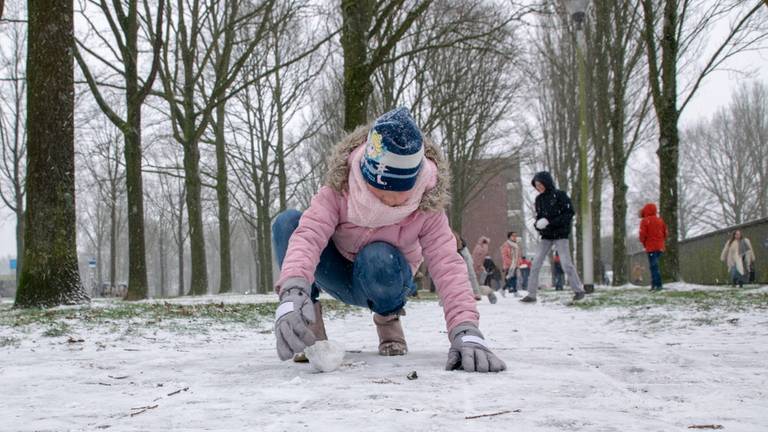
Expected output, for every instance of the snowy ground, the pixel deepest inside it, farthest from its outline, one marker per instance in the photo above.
(651, 368)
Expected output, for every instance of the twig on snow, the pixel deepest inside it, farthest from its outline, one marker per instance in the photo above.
(177, 391)
(706, 426)
(492, 414)
(142, 409)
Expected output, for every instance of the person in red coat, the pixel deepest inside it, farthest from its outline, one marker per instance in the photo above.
(653, 234)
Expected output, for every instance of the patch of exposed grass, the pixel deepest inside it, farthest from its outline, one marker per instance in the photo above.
(57, 329)
(125, 317)
(656, 310)
(732, 300)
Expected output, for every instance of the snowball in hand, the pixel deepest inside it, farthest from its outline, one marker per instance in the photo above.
(325, 356)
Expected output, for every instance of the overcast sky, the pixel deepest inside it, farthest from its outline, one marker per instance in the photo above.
(715, 93)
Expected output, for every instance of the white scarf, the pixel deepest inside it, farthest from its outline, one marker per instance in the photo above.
(365, 210)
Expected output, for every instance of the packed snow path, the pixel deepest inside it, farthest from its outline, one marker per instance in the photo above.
(569, 370)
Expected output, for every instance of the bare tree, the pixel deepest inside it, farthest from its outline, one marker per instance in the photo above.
(104, 165)
(556, 115)
(311, 160)
(371, 31)
(187, 56)
(476, 88)
(671, 29)
(13, 133)
(50, 275)
(621, 109)
(749, 109)
(124, 26)
(93, 223)
(170, 203)
(727, 171)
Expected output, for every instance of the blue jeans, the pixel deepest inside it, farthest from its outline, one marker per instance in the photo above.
(653, 264)
(380, 278)
(511, 283)
(525, 273)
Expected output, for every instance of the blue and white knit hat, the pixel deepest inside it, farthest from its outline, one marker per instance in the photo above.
(394, 152)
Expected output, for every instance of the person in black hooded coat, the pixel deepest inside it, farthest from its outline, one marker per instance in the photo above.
(555, 206)
(554, 219)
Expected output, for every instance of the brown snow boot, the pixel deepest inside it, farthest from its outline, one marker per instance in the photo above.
(318, 329)
(391, 337)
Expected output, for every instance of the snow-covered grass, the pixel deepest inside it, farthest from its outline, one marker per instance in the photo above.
(210, 364)
(180, 315)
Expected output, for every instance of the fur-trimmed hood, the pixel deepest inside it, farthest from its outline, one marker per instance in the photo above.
(337, 176)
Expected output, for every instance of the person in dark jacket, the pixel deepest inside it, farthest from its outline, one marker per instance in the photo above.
(554, 218)
(653, 234)
(492, 274)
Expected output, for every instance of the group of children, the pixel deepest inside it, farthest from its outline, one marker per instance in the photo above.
(516, 267)
(380, 214)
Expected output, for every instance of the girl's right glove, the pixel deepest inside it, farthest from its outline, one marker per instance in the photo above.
(292, 320)
(470, 352)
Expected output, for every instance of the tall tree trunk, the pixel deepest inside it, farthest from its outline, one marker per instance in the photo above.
(180, 245)
(669, 141)
(222, 195)
(620, 271)
(50, 275)
(137, 264)
(199, 276)
(265, 228)
(357, 15)
(161, 241)
(668, 160)
(282, 178)
(19, 236)
(99, 264)
(578, 247)
(663, 84)
(137, 261)
(597, 205)
(113, 240)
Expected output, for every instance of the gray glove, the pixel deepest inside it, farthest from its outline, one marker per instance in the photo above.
(470, 352)
(291, 321)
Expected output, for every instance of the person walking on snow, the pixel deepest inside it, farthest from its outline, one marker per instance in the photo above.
(479, 252)
(524, 268)
(491, 274)
(554, 216)
(653, 234)
(478, 290)
(738, 256)
(380, 213)
(510, 255)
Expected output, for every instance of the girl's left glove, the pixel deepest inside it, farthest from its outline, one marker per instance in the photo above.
(470, 352)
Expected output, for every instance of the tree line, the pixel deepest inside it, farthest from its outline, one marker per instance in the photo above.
(192, 123)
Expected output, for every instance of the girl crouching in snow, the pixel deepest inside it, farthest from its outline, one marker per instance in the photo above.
(380, 213)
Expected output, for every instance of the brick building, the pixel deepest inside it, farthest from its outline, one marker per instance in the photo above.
(497, 208)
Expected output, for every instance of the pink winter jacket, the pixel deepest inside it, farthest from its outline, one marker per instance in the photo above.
(423, 235)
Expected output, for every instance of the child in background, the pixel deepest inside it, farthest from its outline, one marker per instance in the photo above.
(479, 252)
(524, 266)
(380, 213)
(653, 234)
(510, 256)
(478, 290)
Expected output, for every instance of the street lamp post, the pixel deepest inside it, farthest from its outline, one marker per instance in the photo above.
(578, 11)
